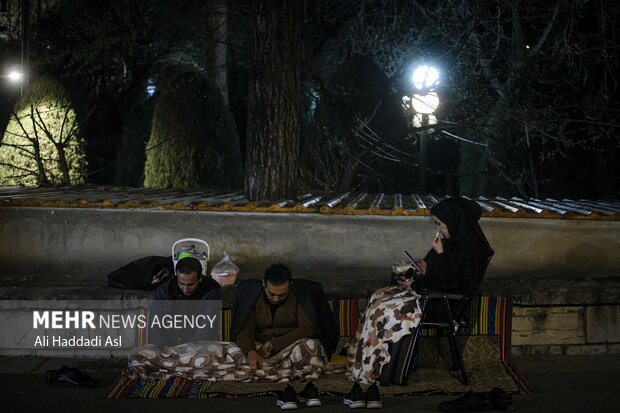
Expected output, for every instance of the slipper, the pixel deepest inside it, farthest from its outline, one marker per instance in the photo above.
(69, 377)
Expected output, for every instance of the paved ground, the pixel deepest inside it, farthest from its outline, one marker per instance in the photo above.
(563, 384)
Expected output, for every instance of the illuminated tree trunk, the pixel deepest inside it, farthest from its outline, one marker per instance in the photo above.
(273, 100)
(41, 144)
(25, 151)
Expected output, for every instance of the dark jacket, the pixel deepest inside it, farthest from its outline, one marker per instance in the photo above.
(164, 299)
(458, 270)
(312, 299)
(209, 289)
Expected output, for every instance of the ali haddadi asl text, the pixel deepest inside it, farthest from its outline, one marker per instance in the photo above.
(78, 341)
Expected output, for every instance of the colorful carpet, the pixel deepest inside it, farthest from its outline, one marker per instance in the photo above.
(486, 354)
(481, 355)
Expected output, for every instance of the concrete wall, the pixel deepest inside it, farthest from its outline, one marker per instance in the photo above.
(561, 330)
(86, 244)
(563, 275)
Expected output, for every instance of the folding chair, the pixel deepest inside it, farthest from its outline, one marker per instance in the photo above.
(448, 322)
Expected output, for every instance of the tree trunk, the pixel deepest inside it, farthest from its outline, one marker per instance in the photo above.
(62, 163)
(273, 100)
(216, 54)
(41, 175)
(349, 173)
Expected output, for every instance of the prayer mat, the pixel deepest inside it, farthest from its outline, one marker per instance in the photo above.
(482, 356)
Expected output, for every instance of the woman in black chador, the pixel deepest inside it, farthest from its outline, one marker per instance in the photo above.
(455, 263)
(459, 251)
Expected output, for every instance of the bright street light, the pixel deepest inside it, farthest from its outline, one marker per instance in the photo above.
(425, 77)
(426, 101)
(425, 104)
(15, 76)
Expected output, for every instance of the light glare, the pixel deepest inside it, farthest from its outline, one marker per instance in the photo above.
(425, 76)
(15, 76)
(425, 104)
(151, 87)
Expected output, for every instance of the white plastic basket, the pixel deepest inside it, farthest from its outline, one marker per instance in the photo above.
(200, 249)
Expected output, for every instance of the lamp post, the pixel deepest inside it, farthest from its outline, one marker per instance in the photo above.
(25, 52)
(424, 104)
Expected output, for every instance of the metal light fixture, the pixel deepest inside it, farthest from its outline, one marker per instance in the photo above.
(426, 101)
(425, 104)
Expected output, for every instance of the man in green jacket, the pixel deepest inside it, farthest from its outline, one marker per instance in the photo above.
(272, 315)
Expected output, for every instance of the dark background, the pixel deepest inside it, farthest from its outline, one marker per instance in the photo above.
(505, 66)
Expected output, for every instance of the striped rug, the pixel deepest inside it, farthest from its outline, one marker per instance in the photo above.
(489, 316)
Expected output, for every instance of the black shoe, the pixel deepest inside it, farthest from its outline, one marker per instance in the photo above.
(355, 398)
(310, 395)
(500, 398)
(470, 402)
(373, 398)
(69, 377)
(286, 398)
(496, 399)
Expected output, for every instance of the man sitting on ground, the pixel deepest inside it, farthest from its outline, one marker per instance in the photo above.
(285, 327)
(188, 286)
(273, 316)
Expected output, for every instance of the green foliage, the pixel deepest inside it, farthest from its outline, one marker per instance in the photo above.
(41, 144)
(104, 52)
(193, 141)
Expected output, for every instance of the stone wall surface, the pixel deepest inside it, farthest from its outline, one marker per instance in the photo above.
(565, 350)
(561, 330)
(556, 291)
(603, 324)
(562, 275)
(548, 325)
(86, 244)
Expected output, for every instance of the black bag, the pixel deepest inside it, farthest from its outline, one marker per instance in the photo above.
(142, 274)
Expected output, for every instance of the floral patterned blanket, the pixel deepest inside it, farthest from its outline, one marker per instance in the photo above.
(392, 313)
(224, 361)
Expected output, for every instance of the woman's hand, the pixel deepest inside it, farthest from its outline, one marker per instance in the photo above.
(404, 283)
(438, 244)
(422, 265)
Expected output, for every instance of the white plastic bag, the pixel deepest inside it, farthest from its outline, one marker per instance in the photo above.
(225, 271)
(401, 267)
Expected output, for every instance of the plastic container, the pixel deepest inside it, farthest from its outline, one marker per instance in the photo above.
(191, 247)
(225, 272)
